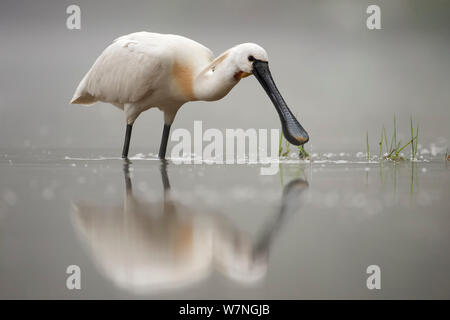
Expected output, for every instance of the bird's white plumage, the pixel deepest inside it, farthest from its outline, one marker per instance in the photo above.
(136, 69)
(126, 71)
(142, 70)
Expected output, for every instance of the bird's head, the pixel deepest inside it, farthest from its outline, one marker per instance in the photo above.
(250, 58)
(243, 56)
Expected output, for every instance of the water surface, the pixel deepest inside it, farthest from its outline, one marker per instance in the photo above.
(152, 229)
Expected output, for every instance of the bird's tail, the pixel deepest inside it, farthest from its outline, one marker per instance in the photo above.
(83, 99)
(81, 96)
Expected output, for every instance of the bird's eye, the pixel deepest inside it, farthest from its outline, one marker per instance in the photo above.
(251, 58)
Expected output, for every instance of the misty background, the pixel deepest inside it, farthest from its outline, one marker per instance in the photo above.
(339, 77)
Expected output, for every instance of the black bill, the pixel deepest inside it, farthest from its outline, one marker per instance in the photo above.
(292, 129)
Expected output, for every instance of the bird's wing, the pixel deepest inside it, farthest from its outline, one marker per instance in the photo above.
(127, 70)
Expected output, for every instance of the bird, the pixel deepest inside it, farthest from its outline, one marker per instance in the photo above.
(163, 245)
(144, 70)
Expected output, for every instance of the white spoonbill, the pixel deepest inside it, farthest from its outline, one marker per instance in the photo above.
(143, 70)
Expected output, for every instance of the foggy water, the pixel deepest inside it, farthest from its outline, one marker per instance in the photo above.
(148, 229)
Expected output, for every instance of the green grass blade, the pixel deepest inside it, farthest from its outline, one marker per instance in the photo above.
(367, 146)
(416, 142)
(413, 154)
(304, 154)
(385, 138)
(395, 130)
(381, 144)
(400, 149)
(280, 147)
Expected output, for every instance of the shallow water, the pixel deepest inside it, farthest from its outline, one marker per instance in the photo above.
(148, 229)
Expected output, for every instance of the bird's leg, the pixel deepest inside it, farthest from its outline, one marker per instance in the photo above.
(164, 176)
(126, 173)
(126, 144)
(163, 145)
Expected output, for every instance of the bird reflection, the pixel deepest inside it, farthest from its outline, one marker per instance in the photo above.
(153, 247)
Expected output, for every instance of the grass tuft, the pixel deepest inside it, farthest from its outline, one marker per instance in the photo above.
(395, 147)
(287, 145)
(280, 146)
(303, 153)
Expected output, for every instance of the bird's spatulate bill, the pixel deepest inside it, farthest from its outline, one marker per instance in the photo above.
(292, 129)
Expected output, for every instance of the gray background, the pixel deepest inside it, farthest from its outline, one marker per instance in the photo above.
(341, 78)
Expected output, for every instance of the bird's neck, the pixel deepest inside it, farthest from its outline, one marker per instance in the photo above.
(216, 79)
